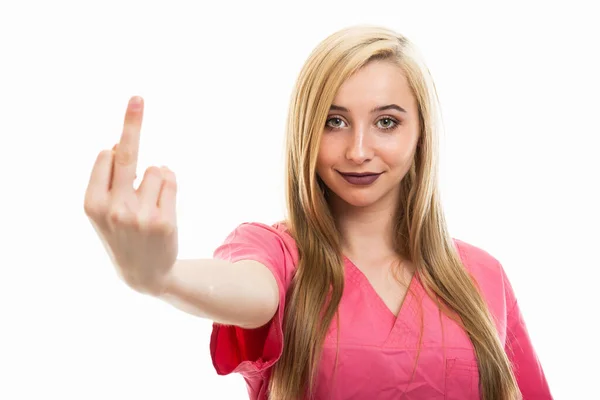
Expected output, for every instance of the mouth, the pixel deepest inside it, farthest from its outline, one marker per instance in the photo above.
(360, 178)
(360, 173)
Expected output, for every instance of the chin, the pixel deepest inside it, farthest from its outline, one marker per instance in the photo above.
(362, 197)
(359, 200)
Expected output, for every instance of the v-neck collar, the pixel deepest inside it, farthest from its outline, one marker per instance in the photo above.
(362, 279)
(401, 332)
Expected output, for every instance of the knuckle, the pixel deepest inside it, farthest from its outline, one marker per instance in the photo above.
(118, 216)
(167, 173)
(152, 174)
(142, 222)
(146, 221)
(114, 216)
(160, 226)
(93, 209)
(100, 157)
(170, 180)
(170, 185)
(90, 209)
(165, 226)
(153, 170)
(104, 154)
(125, 156)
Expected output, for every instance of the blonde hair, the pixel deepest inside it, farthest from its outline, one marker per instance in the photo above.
(421, 232)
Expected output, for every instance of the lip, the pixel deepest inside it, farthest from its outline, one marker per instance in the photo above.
(360, 173)
(360, 178)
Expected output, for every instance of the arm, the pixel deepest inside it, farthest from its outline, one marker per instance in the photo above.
(244, 293)
(242, 349)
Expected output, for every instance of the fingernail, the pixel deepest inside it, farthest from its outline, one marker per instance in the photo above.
(135, 103)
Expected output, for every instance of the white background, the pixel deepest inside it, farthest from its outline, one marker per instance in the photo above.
(519, 90)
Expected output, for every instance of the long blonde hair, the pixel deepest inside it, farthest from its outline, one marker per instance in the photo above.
(421, 232)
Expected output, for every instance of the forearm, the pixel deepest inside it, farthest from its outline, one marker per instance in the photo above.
(244, 294)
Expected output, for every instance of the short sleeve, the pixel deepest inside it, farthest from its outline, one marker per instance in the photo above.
(526, 365)
(252, 351)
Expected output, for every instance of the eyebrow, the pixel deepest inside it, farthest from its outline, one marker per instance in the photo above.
(376, 109)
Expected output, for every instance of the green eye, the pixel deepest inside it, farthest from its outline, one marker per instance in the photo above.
(385, 123)
(337, 123)
(389, 123)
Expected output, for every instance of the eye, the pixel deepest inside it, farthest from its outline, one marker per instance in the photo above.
(334, 122)
(389, 123)
(385, 123)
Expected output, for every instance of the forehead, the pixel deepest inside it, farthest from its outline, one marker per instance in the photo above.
(376, 83)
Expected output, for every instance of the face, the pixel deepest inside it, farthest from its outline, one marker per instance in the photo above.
(372, 128)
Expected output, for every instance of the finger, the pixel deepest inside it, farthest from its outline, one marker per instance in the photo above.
(112, 166)
(149, 191)
(112, 169)
(96, 195)
(168, 194)
(126, 154)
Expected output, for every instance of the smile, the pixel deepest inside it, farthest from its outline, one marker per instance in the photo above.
(360, 179)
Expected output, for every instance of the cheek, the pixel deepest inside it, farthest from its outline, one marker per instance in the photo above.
(398, 152)
(327, 154)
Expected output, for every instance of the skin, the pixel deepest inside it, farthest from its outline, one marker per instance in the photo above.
(356, 141)
(138, 228)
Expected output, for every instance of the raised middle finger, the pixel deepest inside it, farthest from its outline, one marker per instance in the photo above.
(126, 154)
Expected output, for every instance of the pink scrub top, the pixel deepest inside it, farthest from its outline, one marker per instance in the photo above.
(377, 351)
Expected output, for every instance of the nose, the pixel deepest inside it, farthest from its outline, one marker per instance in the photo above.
(359, 149)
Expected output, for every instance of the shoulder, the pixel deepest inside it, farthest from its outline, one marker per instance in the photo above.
(476, 259)
(488, 273)
(274, 238)
(278, 230)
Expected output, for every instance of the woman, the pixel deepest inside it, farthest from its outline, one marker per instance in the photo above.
(361, 293)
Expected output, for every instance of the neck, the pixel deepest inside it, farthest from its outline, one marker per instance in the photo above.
(367, 232)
